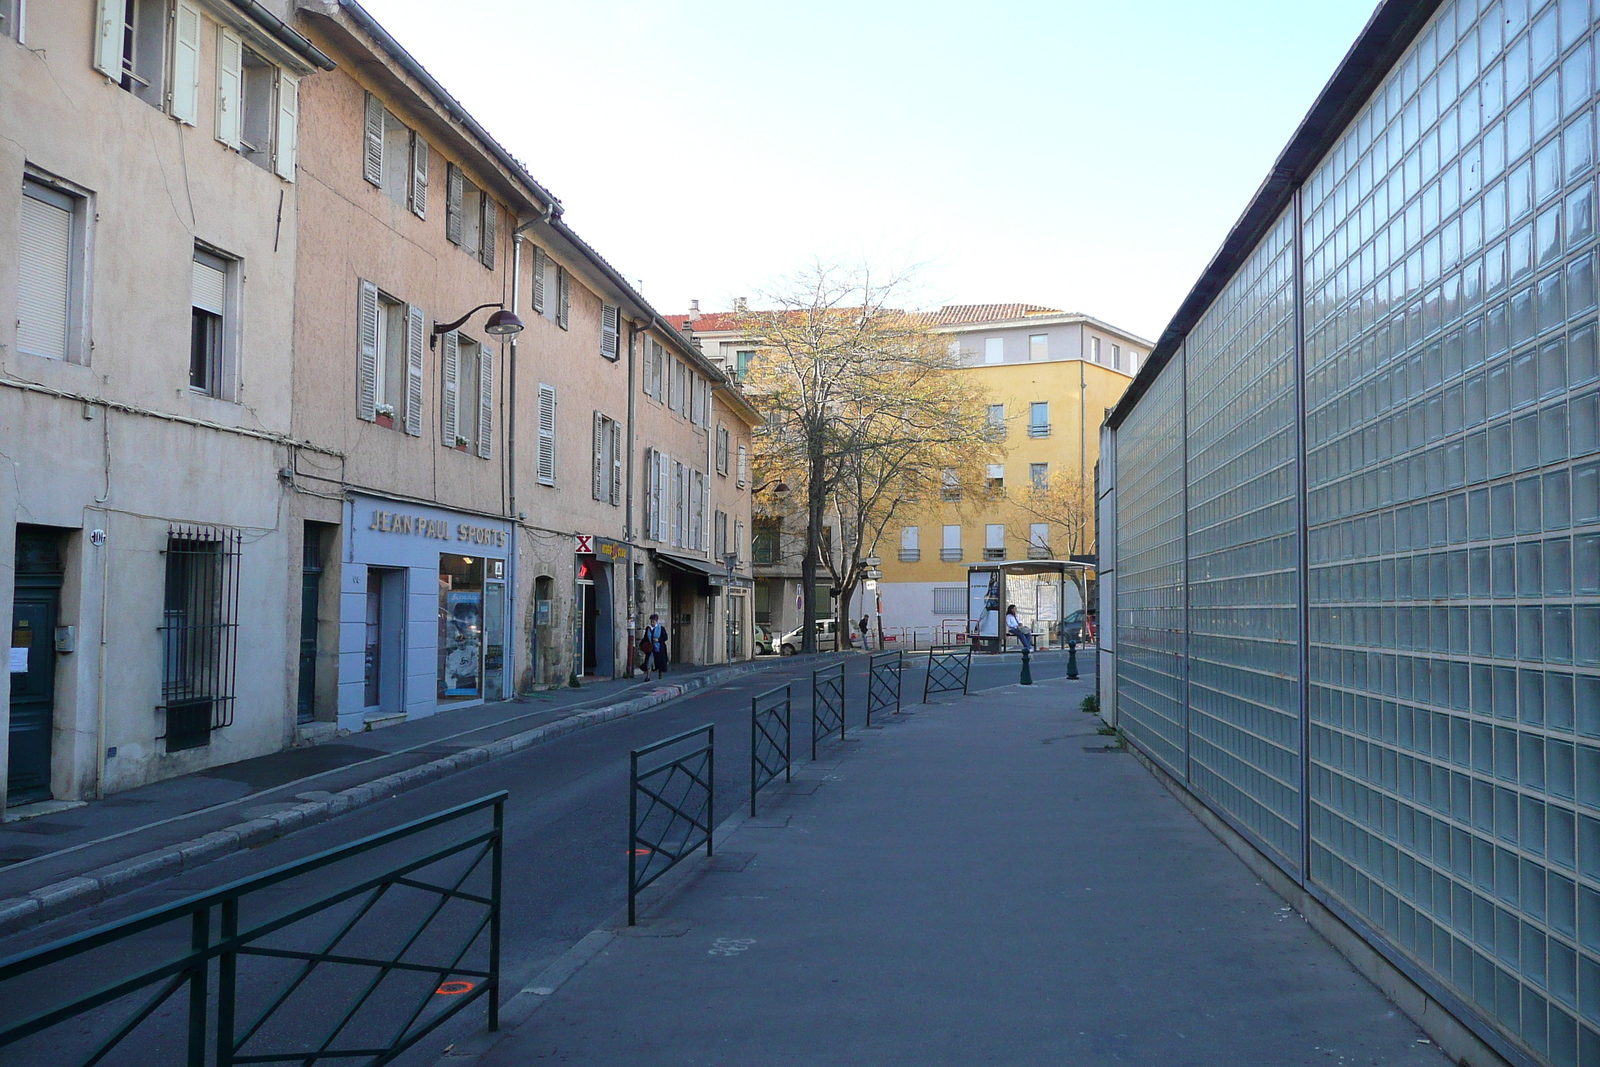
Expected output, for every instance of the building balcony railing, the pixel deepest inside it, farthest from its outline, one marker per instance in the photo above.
(994, 553)
(910, 555)
(1038, 551)
(950, 555)
(1039, 429)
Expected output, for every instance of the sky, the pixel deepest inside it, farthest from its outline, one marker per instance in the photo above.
(1089, 156)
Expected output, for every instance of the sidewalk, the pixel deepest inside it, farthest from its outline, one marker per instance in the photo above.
(79, 854)
(982, 882)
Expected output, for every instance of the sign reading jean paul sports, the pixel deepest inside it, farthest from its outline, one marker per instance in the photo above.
(399, 522)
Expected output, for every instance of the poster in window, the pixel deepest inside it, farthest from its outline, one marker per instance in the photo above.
(463, 650)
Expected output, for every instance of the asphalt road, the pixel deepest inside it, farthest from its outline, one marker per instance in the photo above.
(565, 875)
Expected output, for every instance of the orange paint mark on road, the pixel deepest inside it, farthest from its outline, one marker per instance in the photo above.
(454, 989)
(641, 852)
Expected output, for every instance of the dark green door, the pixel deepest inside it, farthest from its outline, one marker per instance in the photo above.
(33, 665)
(310, 594)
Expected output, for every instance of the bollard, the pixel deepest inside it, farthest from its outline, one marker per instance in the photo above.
(1072, 659)
(1027, 670)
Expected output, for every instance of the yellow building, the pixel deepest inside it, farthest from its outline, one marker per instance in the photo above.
(1050, 377)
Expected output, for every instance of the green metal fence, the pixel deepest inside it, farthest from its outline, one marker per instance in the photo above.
(883, 682)
(676, 818)
(949, 670)
(827, 703)
(770, 738)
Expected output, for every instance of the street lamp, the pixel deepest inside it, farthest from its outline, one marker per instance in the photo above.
(502, 323)
(729, 559)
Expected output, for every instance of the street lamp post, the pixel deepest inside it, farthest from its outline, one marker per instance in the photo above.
(729, 559)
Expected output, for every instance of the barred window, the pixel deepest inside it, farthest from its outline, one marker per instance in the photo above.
(949, 600)
(199, 625)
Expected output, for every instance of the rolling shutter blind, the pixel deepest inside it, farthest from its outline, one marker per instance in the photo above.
(230, 78)
(538, 279)
(208, 286)
(186, 64)
(44, 282)
(564, 291)
(616, 463)
(367, 362)
(599, 455)
(547, 434)
(486, 243)
(414, 331)
(419, 175)
(450, 394)
(455, 191)
(485, 402)
(608, 331)
(108, 38)
(994, 535)
(372, 158)
(283, 155)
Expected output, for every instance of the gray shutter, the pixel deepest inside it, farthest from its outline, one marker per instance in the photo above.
(372, 160)
(598, 465)
(450, 394)
(608, 331)
(415, 325)
(230, 88)
(185, 64)
(419, 175)
(283, 152)
(485, 402)
(108, 38)
(616, 464)
(455, 191)
(564, 287)
(538, 279)
(547, 434)
(367, 363)
(486, 243)
(649, 481)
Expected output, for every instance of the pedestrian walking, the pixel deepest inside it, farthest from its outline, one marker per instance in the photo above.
(1015, 628)
(865, 644)
(653, 647)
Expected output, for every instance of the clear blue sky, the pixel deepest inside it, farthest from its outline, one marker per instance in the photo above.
(1084, 155)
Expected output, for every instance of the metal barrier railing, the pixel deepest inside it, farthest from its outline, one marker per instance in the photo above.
(827, 704)
(949, 669)
(409, 955)
(883, 682)
(677, 819)
(770, 739)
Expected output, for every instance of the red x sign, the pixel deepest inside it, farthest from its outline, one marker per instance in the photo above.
(585, 544)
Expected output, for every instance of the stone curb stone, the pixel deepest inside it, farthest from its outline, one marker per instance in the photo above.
(59, 898)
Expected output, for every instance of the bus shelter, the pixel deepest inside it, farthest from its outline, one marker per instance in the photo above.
(1049, 595)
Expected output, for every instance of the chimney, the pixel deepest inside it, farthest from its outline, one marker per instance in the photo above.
(739, 305)
(694, 311)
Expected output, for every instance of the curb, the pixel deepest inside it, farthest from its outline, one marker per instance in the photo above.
(71, 894)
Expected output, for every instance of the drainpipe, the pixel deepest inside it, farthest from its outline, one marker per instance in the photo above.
(511, 442)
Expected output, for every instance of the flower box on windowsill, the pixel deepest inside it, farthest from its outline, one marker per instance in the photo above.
(386, 421)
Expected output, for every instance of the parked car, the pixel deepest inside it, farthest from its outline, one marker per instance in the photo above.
(827, 637)
(764, 642)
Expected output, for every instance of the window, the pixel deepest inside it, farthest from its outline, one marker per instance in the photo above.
(131, 47)
(741, 363)
(678, 504)
(396, 159)
(994, 350)
(910, 544)
(1116, 356)
(950, 485)
(738, 542)
(766, 543)
(951, 552)
(389, 374)
(997, 417)
(50, 272)
(722, 450)
(949, 600)
(536, 275)
(466, 398)
(199, 633)
(1038, 347)
(1094, 349)
(610, 318)
(697, 511)
(607, 460)
(720, 544)
(655, 471)
(744, 466)
(546, 465)
(994, 541)
(10, 23)
(655, 370)
(1039, 419)
(563, 296)
(1039, 476)
(208, 322)
(1039, 540)
(470, 221)
(257, 104)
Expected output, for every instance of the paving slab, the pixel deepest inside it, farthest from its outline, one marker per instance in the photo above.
(980, 884)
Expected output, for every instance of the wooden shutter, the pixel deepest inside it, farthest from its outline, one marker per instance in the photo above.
(415, 325)
(283, 153)
(649, 489)
(616, 463)
(108, 38)
(597, 466)
(230, 80)
(367, 362)
(455, 191)
(488, 237)
(372, 158)
(186, 64)
(485, 402)
(538, 279)
(419, 176)
(696, 508)
(564, 291)
(450, 393)
(547, 434)
(44, 278)
(608, 331)
(744, 465)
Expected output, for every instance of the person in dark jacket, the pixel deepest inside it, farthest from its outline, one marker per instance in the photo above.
(653, 644)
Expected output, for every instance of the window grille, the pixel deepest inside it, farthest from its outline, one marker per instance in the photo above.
(950, 600)
(199, 624)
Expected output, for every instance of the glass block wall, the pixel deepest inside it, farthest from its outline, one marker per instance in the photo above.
(1442, 259)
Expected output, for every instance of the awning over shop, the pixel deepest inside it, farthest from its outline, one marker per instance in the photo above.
(713, 574)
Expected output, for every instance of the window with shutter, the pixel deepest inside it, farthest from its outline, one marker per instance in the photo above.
(679, 503)
(415, 325)
(488, 234)
(367, 358)
(131, 39)
(722, 450)
(185, 64)
(209, 308)
(455, 190)
(230, 87)
(108, 38)
(419, 176)
(738, 542)
(287, 143)
(597, 466)
(663, 462)
(564, 285)
(485, 402)
(744, 466)
(49, 272)
(616, 464)
(608, 331)
(372, 157)
(539, 261)
(547, 434)
(649, 483)
(450, 391)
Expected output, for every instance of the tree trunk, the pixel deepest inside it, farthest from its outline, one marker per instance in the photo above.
(815, 501)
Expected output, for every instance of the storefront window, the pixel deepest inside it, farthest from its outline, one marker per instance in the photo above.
(461, 618)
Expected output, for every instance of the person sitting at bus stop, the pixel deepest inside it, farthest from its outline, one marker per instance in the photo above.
(1015, 628)
(654, 646)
